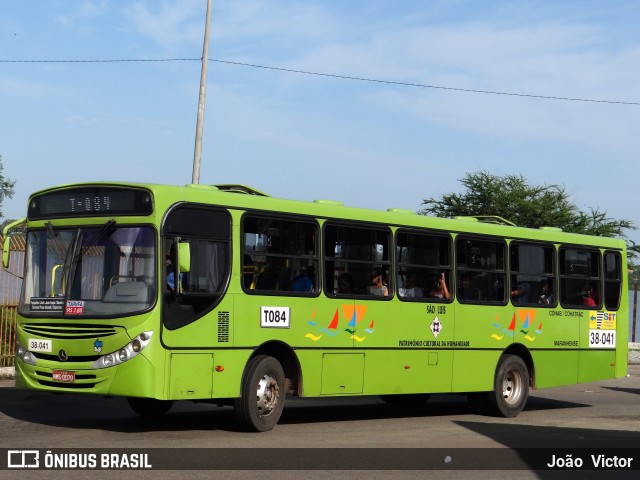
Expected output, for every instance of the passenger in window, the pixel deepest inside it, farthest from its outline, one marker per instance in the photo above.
(268, 278)
(464, 287)
(588, 298)
(440, 289)
(306, 281)
(346, 284)
(411, 290)
(521, 293)
(379, 283)
(546, 294)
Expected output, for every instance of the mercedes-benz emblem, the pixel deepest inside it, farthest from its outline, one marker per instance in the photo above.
(62, 355)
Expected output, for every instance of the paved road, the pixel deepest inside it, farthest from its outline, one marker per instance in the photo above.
(595, 416)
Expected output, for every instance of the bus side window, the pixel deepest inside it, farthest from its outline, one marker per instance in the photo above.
(612, 280)
(481, 268)
(423, 266)
(580, 278)
(279, 255)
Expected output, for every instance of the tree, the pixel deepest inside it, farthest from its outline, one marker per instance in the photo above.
(513, 198)
(6, 186)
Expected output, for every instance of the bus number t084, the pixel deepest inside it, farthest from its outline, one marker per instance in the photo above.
(275, 317)
(89, 204)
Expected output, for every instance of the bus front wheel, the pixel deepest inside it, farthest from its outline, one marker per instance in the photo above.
(262, 394)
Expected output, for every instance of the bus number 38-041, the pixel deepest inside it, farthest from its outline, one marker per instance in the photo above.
(275, 317)
(602, 338)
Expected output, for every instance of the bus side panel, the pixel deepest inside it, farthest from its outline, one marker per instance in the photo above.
(191, 376)
(405, 344)
(596, 365)
(228, 367)
(482, 333)
(311, 366)
(552, 338)
(474, 370)
(408, 371)
(342, 373)
(555, 367)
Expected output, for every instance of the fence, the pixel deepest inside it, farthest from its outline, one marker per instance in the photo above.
(10, 284)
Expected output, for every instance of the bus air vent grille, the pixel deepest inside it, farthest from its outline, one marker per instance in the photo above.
(69, 332)
(223, 326)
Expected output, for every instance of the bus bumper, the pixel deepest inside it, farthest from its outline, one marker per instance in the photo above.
(136, 377)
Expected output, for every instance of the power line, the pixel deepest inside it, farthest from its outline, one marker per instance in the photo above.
(343, 77)
(116, 60)
(420, 85)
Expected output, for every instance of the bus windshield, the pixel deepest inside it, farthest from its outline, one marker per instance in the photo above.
(89, 272)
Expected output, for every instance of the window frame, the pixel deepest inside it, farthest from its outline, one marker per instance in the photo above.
(361, 265)
(406, 268)
(565, 278)
(461, 270)
(610, 281)
(534, 300)
(314, 258)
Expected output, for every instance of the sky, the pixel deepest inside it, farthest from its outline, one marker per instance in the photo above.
(413, 125)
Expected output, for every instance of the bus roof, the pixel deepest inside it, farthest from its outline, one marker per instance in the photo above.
(238, 196)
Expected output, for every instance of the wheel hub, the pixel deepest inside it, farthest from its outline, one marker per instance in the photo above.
(267, 394)
(512, 385)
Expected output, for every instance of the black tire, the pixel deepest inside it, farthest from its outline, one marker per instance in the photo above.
(511, 387)
(262, 394)
(406, 400)
(149, 407)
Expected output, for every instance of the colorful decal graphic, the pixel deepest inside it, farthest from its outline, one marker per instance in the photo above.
(527, 318)
(353, 315)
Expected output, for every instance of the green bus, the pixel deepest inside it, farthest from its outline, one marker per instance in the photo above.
(225, 294)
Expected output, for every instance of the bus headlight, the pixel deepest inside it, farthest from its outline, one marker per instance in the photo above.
(130, 350)
(25, 355)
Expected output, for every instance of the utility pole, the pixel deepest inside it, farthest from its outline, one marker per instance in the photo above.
(197, 151)
(634, 278)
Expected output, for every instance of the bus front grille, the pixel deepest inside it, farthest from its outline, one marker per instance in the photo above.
(68, 332)
(72, 358)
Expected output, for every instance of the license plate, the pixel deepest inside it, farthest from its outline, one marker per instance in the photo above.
(64, 376)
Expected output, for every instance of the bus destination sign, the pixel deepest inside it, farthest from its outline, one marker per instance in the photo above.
(89, 201)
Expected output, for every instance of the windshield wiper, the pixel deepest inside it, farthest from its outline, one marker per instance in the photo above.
(57, 244)
(99, 236)
(68, 273)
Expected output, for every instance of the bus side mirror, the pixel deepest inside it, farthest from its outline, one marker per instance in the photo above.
(5, 252)
(7, 241)
(184, 257)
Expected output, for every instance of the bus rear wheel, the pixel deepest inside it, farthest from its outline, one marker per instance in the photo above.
(511, 387)
(510, 393)
(262, 394)
(149, 407)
